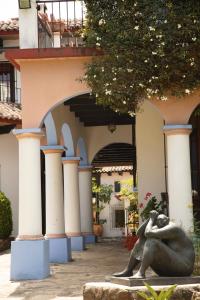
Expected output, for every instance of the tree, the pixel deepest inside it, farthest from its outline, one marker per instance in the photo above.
(151, 50)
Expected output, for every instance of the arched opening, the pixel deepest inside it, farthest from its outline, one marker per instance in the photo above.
(195, 160)
(114, 165)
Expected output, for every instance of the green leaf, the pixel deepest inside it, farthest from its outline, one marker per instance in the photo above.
(144, 296)
(152, 291)
(170, 291)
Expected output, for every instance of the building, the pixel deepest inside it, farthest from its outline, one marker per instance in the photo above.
(60, 117)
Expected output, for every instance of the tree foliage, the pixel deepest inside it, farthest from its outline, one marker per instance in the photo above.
(151, 50)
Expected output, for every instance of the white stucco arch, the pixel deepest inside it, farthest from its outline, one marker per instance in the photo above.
(50, 130)
(68, 140)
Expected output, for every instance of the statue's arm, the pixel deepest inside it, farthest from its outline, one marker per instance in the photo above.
(167, 232)
(141, 229)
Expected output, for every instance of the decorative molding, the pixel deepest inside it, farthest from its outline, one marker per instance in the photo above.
(29, 237)
(29, 135)
(73, 234)
(177, 129)
(55, 236)
(84, 168)
(71, 160)
(52, 149)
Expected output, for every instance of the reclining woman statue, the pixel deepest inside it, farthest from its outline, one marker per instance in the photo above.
(163, 246)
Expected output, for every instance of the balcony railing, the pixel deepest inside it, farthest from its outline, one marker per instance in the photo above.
(9, 93)
(60, 23)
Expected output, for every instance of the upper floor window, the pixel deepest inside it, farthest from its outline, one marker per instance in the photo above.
(117, 186)
(7, 82)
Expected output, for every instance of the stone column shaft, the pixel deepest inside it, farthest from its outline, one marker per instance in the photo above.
(85, 188)
(71, 196)
(54, 192)
(30, 215)
(179, 175)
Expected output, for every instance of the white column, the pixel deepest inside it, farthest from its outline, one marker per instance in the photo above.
(28, 27)
(85, 189)
(30, 215)
(54, 192)
(71, 197)
(56, 38)
(179, 175)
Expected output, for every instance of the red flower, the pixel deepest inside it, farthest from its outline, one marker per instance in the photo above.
(141, 205)
(147, 196)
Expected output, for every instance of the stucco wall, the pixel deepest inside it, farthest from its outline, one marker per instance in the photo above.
(108, 212)
(150, 151)
(9, 173)
(99, 137)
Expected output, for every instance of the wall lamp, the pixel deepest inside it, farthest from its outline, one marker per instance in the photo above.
(24, 4)
(112, 127)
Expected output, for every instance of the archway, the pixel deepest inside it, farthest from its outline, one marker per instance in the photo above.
(195, 160)
(114, 166)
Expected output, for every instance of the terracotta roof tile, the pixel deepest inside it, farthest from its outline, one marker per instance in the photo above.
(10, 111)
(9, 25)
(114, 169)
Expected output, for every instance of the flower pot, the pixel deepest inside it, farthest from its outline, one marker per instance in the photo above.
(98, 229)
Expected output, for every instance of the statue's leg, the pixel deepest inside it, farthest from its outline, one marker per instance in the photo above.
(128, 271)
(148, 256)
(163, 260)
(134, 260)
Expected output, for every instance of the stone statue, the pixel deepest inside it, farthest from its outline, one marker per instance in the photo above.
(163, 246)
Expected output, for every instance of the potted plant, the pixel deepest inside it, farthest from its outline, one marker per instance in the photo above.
(102, 195)
(5, 222)
(128, 194)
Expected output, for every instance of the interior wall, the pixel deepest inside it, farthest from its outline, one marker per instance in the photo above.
(150, 152)
(9, 173)
(99, 137)
(108, 212)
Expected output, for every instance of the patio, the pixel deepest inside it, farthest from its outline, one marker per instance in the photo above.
(66, 280)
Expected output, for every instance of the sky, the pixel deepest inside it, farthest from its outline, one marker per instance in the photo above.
(8, 9)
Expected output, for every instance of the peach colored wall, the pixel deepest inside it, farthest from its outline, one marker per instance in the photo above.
(150, 152)
(46, 82)
(178, 110)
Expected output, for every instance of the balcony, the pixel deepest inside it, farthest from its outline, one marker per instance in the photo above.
(60, 23)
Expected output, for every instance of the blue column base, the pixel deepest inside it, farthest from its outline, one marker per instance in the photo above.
(90, 239)
(78, 243)
(29, 260)
(60, 250)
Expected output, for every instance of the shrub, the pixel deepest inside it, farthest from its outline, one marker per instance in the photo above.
(5, 217)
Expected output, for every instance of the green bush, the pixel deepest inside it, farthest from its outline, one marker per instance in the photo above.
(5, 217)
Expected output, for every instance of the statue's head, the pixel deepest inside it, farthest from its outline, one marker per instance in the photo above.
(162, 220)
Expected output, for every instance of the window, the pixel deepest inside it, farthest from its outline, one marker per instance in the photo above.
(117, 186)
(7, 83)
(118, 218)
